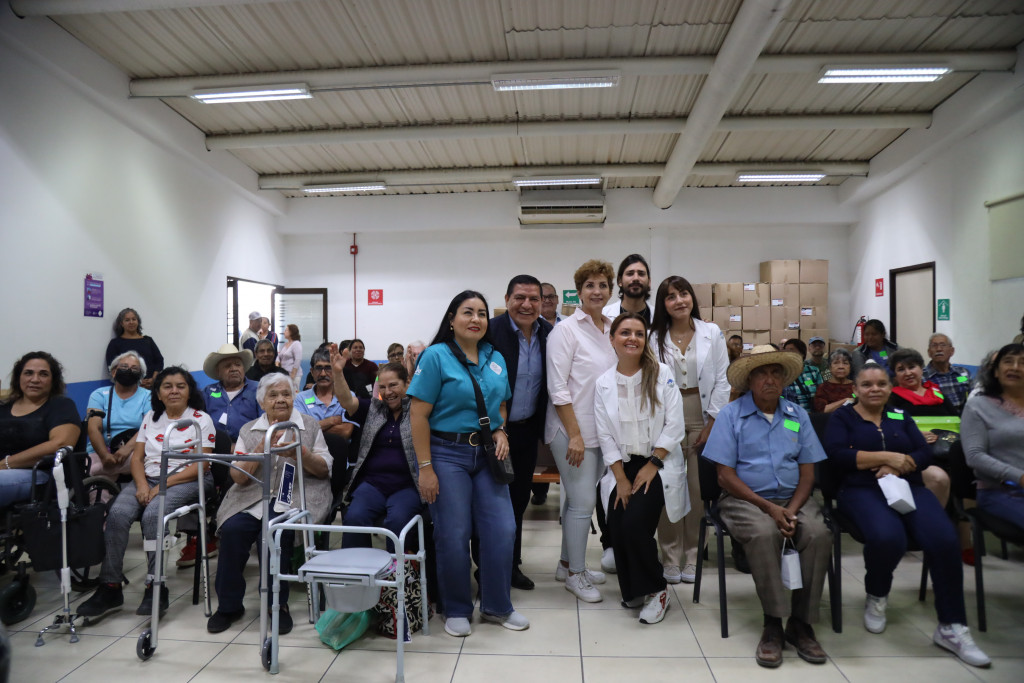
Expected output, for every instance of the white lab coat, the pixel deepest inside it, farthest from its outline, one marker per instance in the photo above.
(712, 363)
(667, 430)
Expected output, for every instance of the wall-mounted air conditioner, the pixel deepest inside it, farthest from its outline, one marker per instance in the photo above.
(561, 207)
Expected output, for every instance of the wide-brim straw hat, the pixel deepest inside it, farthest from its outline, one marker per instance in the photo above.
(739, 372)
(226, 351)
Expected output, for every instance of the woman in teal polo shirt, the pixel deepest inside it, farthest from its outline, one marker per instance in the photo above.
(454, 475)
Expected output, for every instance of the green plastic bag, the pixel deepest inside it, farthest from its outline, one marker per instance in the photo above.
(338, 629)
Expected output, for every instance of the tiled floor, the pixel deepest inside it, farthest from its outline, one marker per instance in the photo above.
(567, 641)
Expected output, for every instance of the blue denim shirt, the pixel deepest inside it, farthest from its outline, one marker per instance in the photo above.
(766, 455)
(309, 403)
(243, 408)
(529, 372)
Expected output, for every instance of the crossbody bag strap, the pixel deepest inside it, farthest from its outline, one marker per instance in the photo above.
(110, 405)
(481, 408)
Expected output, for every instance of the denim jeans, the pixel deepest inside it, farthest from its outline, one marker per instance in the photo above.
(469, 498)
(369, 507)
(1003, 502)
(16, 485)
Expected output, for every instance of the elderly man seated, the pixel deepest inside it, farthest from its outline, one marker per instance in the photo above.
(320, 401)
(231, 400)
(765, 449)
(954, 380)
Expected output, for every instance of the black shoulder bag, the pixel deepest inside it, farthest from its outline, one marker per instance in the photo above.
(500, 469)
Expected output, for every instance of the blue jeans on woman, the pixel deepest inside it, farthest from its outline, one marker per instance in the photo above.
(1003, 502)
(16, 485)
(470, 499)
(369, 506)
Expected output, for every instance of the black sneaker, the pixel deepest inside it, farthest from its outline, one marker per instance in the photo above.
(107, 598)
(146, 606)
(221, 621)
(284, 621)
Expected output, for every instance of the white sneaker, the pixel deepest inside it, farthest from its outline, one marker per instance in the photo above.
(874, 613)
(580, 586)
(608, 560)
(672, 573)
(689, 573)
(458, 627)
(957, 639)
(654, 610)
(513, 621)
(562, 573)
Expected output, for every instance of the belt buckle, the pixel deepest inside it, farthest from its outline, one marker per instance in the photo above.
(473, 435)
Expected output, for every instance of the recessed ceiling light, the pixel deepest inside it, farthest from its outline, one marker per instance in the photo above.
(547, 181)
(265, 93)
(779, 177)
(883, 74)
(555, 80)
(352, 187)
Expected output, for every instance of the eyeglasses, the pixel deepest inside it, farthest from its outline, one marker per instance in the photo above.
(319, 369)
(550, 297)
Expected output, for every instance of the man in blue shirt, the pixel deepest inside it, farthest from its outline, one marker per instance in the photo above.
(765, 450)
(520, 335)
(954, 381)
(230, 401)
(320, 402)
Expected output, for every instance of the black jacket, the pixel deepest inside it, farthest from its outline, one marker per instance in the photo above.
(505, 340)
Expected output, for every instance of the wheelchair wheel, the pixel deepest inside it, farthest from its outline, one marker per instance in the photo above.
(17, 601)
(95, 488)
(142, 647)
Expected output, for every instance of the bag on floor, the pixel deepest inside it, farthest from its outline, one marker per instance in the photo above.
(385, 613)
(792, 577)
(338, 629)
(897, 493)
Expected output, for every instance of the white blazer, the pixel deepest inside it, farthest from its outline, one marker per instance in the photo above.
(667, 430)
(712, 363)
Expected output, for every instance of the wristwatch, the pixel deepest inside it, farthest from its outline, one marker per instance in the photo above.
(657, 462)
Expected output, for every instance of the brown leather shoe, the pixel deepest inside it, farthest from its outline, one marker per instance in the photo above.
(769, 650)
(801, 636)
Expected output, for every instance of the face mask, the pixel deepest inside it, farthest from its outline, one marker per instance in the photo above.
(127, 378)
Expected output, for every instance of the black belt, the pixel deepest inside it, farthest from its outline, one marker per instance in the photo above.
(470, 438)
(518, 423)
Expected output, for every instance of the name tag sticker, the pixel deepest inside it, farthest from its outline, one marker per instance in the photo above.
(895, 416)
(938, 394)
(962, 379)
(791, 425)
(884, 354)
(215, 394)
(809, 382)
(495, 367)
(309, 400)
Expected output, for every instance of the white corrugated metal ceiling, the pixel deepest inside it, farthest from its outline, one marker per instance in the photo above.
(421, 126)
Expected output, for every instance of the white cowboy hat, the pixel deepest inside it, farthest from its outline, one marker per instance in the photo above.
(739, 372)
(226, 351)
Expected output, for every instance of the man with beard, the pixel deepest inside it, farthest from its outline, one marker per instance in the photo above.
(634, 280)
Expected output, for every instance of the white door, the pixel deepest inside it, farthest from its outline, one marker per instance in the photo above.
(914, 296)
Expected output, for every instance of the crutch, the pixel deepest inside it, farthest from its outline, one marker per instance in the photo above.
(65, 617)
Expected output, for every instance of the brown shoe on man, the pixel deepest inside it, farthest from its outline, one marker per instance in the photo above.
(769, 650)
(801, 636)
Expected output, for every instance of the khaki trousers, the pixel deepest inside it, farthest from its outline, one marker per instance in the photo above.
(678, 540)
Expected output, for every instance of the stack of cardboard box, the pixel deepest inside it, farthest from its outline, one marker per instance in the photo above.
(743, 308)
(799, 299)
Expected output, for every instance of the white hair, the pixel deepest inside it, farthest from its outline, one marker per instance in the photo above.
(270, 380)
(939, 334)
(133, 354)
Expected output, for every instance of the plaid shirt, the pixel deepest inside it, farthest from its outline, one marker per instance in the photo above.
(806, 385)
(955, 384)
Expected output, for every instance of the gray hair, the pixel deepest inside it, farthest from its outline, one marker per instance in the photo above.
(939, 334)
(840, 353)
(133, 354)
(270, 380)
(319, 356)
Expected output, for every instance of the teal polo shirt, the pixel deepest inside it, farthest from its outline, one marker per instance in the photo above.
(442, 381)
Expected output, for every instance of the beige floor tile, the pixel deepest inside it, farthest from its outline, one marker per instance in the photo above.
(506, 669)
(551, 632)
(605, 632)
(364, 666)
(745, 628)
(1003, 670)
(646, 669)
(437, 641)
(793, 668)
(173, 660)
(891, 670)
(237, 662)
(53, 660)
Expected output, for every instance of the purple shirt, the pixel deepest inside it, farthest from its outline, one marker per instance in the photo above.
(386, 468)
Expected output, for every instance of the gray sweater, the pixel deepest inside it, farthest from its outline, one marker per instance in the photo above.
(993, 440)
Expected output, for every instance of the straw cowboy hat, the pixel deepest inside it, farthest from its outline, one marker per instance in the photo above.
(739, 372)
(226, 351)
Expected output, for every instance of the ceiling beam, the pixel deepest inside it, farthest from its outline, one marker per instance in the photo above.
(528, 129)
(478, 73)
(53, 8)
(504, 174)
(754, 24)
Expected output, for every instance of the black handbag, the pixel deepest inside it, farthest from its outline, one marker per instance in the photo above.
(500, 469)
(942, 446)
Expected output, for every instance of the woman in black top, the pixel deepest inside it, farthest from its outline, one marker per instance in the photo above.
(128, 337)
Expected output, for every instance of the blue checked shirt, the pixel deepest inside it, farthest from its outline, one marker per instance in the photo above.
(955, 384)
(806, 385)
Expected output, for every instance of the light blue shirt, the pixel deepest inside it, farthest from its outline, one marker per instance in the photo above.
(766, 455)
(308, 403)
(529, 373)
(442, 381)
(124, 413)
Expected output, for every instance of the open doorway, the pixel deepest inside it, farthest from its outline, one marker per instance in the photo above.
(244, 297)
(912, 305)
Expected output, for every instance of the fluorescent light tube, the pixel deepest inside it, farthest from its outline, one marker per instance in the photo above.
(780, 177)
(546, 181)
(353, 187)
(555, 80)
(267, 93)
(885, 74)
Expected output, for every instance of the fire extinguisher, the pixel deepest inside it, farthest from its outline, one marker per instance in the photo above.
(858, 331)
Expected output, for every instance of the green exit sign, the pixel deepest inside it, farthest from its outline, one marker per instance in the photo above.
(570, 296)
(943, 309)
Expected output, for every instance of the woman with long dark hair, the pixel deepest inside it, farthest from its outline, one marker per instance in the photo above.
(696, 352)
(128, 337)
(640, 426)
(455, 476)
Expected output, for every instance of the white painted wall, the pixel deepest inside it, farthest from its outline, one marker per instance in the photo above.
(93, 182)
(938, 214)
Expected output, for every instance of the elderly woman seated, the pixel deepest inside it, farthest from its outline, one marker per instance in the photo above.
(838, 389)
(238, 519)
(870, 440)
(115, 414)
(35, 420)
(264, 361)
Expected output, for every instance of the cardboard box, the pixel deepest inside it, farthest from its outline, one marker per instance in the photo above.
(780, 271)
(752, 338)
(813, 318)
(568, 309)
(812, 271)
(834, 344)
(728, 294)
(785, 318)
(813, 295)
(497, 312)
(784, 294)
(806, 334)
(779, 337)
(757, 317)
(728, 317)
(707, 314)
(756, 293)
(703, 292)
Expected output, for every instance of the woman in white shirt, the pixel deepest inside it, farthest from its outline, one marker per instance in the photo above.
(639, 417)
(290, 357)
(579, 351)
(696, 352)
